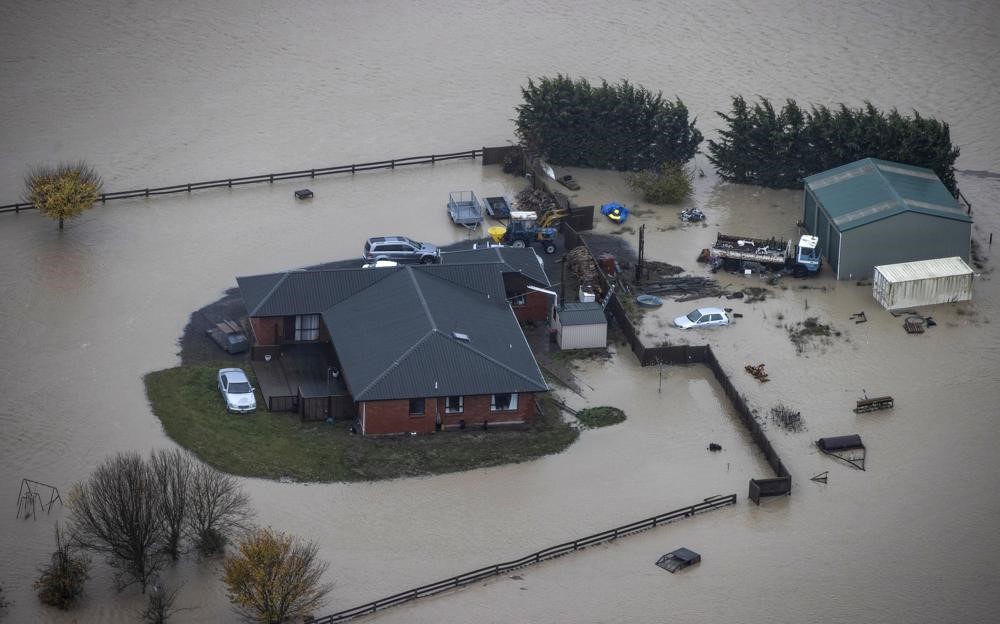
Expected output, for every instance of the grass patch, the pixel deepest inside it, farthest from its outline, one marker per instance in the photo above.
(810, 329)
(603, 416)
(275, 445)
(753, 294)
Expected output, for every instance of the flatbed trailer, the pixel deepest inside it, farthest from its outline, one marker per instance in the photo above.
(464, 208)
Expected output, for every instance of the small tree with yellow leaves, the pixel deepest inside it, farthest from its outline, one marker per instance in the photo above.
(274, 577)
(63, 192)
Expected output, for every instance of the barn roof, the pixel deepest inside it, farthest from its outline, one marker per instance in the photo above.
(871, 189)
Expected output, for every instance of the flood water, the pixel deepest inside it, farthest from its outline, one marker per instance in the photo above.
(170, 93)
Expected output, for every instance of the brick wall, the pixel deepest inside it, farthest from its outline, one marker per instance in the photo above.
(536, 307)
(266, 329)
(393, 417)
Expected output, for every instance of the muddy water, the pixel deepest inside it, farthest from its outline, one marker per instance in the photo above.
(166, 96)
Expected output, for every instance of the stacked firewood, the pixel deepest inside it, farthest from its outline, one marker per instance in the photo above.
(582, 265)
(533, 200)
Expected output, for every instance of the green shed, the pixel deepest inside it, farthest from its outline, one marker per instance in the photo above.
(874, 212)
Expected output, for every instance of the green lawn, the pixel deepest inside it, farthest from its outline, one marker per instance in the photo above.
(603, 416)
(273, 445)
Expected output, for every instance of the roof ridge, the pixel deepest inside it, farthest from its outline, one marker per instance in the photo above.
(892, 188)
(420, 296)
(470, 289)
(264, 299)
(395, 363)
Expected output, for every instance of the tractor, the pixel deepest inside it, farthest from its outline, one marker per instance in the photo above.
(523, 230)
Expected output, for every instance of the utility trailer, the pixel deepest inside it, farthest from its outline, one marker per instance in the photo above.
(464, 209)
(497, 207)
(743, 252)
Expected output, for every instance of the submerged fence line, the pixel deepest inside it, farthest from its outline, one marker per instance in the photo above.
(462, 580)
(683, 354)
(271, 178)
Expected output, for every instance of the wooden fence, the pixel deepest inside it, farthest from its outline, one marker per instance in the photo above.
(271, 178)
(542, 555)
(684, 354)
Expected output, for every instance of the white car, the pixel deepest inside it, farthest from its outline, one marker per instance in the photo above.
(236, 390)
(703, 317)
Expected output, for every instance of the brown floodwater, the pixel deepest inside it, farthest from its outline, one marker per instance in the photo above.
(166, 96)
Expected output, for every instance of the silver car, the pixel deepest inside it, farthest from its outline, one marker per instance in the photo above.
(399, 249)
(703, 317)
(236, 390)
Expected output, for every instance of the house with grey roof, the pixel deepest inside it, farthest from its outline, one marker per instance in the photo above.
(520, 268)
(397, 349)
(874, 212)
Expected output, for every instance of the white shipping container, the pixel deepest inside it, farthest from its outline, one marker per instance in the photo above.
(921, 283)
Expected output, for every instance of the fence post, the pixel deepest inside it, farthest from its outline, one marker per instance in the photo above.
(392, 163)
(352, 169)
(147, 192)
(432, 158)
(312, 173)
(230, 183)
(271, 179)
(104, 198)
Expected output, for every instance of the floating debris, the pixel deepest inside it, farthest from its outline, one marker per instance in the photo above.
(873, 404)
(821, 477)
(757, 372)
(848, 449)
(678, 560)
(714, 447)
(786, 418)
(303, 194)
(914, 324)
(859, 317)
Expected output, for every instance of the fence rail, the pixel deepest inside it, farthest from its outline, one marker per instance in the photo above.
(683, 354)
(542, 555)
(270, 178)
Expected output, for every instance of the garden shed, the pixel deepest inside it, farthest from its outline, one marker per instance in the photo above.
(874, 212)
(580, 326)
(925, 282)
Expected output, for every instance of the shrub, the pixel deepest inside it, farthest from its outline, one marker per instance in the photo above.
(61, 581)
(63, 192)
(603, 416)
(670, 185)
(274, 577)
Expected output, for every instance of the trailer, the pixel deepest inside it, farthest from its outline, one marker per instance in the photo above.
(743, 252)
(497, 207)
(464, 209)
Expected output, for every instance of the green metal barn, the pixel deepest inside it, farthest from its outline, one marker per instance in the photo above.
(874, 212)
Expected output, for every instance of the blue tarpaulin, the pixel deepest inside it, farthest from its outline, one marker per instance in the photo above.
(615, 211)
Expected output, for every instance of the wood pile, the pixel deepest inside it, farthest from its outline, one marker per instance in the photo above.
(533, 200)
(684, 288)
(582, 265)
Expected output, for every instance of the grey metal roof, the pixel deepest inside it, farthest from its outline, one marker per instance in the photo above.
(483, 278)
(397, 340)
(577, 313)
(871, 189)
(304, 292)
(394, 329)
(524, 261)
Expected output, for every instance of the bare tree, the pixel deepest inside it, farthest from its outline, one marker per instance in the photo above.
(274, 577)
(61, 581)
(63, 192)
(159, 606)
(173, 472)
(115, 512)
(218, 508)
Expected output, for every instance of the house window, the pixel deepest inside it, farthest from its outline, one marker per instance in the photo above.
(454, 405)
(518, 300)
(307, 327)
(416, 407)
(504, 402)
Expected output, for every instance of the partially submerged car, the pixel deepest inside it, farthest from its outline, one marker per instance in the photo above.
(702, 317)
(236, 390)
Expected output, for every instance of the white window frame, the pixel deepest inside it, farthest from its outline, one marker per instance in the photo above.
(511, 406)
(303, 327)
(461, 405)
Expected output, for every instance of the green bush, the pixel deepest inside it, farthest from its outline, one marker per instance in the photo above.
(622, 127)
(603, 416)
(61, 582)
(764, 146)
(670, 185)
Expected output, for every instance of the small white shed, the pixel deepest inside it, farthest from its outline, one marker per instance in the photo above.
(921, 283)
(580, 326)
